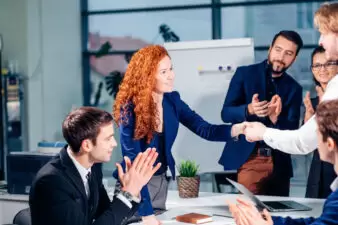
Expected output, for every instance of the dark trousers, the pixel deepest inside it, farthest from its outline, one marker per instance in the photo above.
(257, 175)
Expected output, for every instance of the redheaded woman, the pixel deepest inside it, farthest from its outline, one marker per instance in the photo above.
(148, 113)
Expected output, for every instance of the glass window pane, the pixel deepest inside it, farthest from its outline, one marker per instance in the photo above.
(232, 1)
(263, 21)
(125, 4)
(104, 76)
(133, 30)
(300, 69)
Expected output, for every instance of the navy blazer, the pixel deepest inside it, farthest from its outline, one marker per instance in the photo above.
(329, 215)
(247, 81)
(175, 111)
(58, 196)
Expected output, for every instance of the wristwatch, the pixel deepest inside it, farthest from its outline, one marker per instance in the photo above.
(130, 197)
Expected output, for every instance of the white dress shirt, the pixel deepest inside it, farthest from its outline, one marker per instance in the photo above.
(303, 140)
(334, 185)
(83, 173)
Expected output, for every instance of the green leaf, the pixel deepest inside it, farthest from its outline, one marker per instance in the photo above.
(188, 168)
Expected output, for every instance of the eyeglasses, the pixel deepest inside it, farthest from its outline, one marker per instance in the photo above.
(328, 65)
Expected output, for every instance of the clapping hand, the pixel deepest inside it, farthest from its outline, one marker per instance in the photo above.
(258, 108)
(274, 108)
(320, 92)
(309, 111)
(245, 213)
(139, 172)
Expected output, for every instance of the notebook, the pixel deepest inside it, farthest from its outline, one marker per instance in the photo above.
(195, 218)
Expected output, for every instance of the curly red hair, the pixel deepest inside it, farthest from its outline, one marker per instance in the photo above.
(137, 86)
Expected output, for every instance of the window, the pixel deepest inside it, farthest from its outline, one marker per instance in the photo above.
(102, 71)
(127, 4)
(263, 21)
(131, 31)
(305, 12)
(300, 69)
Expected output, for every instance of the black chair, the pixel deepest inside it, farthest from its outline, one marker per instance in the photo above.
(23, 217)
(220, 179)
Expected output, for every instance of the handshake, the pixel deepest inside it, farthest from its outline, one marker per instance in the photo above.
(253, 131)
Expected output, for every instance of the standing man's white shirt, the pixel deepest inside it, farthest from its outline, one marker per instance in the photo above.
(303, 140)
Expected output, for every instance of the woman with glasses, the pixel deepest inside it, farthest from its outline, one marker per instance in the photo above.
(321, 173)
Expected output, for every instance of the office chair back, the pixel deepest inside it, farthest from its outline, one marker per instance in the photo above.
(23, 217)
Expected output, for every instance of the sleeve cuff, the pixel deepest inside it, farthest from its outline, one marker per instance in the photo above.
(246, 113)
(124, 200)
(267, 136)
(277, 220)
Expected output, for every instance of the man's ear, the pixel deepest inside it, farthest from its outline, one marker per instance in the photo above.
(331, 145)
(86, 145)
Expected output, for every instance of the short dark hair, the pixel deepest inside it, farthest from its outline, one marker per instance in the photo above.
(291, 36)
(84, 123)
(318, 49)
(327, 119)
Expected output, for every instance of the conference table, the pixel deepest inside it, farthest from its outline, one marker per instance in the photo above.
(207, 203)
(214, 204)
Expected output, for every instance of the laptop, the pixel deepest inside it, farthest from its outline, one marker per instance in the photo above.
(271, 206)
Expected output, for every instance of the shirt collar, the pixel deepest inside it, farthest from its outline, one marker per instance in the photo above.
(334, 185)
(83, 171)
(333, 80)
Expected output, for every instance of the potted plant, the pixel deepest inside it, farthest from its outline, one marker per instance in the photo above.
(188, 181)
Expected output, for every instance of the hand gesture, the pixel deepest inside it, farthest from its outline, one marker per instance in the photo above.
(238, 129)
(150, 220)
(139, 172)
(309, 111)
(254, 131)
(258, 108)
(245, 213)
(275, 108)
(320, 92)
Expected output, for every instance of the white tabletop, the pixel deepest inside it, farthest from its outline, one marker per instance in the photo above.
(207, 203)
(215, 203)
(5, 196)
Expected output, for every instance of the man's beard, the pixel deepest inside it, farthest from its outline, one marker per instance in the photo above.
(281, 69)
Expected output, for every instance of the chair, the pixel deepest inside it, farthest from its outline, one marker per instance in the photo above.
(23, 217)
(220, 179)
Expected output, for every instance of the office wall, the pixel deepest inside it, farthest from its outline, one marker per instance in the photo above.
(13, 28)
(49, 56)
(54, 53)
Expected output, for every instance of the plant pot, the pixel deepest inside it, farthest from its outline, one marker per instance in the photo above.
(188, 187)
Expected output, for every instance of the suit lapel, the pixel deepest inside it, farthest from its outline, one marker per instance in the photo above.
(261, 82)
(73, 174)
(170, 128)
(168, 122)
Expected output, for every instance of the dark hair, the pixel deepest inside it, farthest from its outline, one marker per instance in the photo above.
(315, 51)
(327, 119)
(84, 123)
(291, 36)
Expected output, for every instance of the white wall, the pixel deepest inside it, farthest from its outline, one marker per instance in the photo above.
(49, 53)
(13, 28)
